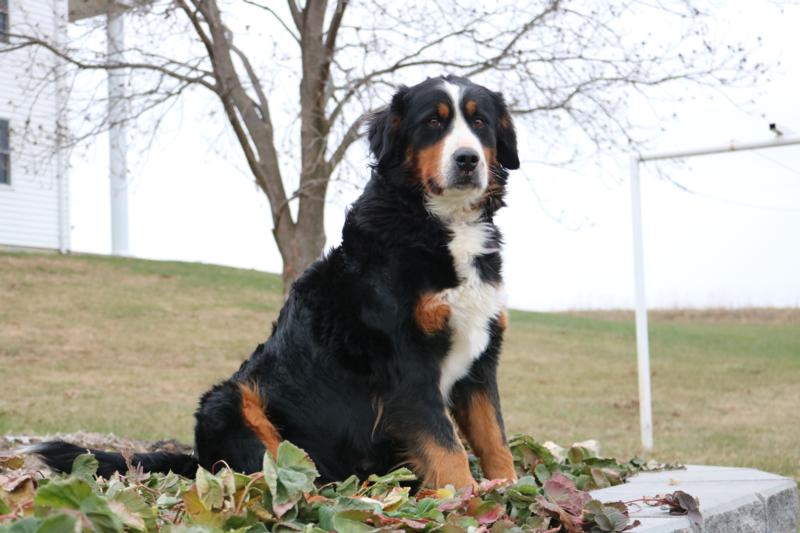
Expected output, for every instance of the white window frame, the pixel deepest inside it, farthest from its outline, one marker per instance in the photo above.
(6, 152)
(7, 12)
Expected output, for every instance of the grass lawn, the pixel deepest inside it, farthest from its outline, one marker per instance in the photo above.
(127, 346)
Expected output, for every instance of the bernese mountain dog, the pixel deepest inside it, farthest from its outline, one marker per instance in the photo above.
(388, 346)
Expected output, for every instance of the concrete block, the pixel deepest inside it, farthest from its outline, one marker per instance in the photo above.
(732, 500)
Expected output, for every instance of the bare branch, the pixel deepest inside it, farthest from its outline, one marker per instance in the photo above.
(404, 62)
(297, 16)
(333, 28)
(352, 134)
(276, 17)
(34, 41)
(493, 62)
(254, 81)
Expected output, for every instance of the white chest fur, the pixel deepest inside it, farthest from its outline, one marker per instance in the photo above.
(473, 304)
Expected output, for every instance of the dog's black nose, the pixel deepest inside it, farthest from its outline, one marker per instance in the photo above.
(466, 159)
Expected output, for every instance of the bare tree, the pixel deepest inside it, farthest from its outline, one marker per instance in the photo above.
(566, 68)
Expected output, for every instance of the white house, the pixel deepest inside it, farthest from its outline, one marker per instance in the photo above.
(34, 182)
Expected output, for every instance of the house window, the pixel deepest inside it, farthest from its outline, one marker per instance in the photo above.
(5, 153)
(4, 21)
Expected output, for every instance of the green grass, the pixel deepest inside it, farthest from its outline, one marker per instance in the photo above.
(127, 346)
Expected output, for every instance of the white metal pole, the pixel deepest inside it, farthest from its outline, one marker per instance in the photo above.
(61, 14)
(730, 147)
(642, 342)
(117, 136)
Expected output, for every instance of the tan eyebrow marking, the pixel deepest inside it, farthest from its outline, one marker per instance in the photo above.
(471, 107)
(443, 110)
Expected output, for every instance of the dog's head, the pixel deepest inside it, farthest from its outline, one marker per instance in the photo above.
(451, 137)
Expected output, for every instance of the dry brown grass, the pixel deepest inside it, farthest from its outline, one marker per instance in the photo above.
(753, 315)
(121, 346)
(127, 346)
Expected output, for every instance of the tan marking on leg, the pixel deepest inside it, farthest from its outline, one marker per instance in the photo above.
(431, 313)
(471, 107)
(443, 110)
(479, 424)
(502, 320)
(439, 466)
(254, 415)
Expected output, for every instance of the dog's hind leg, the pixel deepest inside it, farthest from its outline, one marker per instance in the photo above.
(233, 428)
(254, 414)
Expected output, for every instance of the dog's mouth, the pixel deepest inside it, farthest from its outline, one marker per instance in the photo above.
(458, 184)
(464, 180)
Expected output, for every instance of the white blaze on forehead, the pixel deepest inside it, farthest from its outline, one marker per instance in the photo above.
(461, 136)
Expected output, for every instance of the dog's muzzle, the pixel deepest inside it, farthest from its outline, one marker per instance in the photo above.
(464, 173)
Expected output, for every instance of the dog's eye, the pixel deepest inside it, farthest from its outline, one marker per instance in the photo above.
(478, 123)
(434, 123)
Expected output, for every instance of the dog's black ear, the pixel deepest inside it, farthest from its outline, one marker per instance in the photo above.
(384, 126)
(506, 136)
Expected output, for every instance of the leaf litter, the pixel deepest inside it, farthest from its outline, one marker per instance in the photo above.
(550, 496)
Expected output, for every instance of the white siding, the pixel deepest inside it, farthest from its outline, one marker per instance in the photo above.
(29, 206)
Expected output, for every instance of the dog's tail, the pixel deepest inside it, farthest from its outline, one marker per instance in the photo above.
(59, 456)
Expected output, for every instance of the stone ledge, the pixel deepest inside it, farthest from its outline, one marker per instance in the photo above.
(732, 500)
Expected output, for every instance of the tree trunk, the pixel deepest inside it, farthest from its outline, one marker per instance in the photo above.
(299, 246)
(304, 242)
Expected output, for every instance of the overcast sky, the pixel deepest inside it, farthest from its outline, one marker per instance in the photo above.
(734, 240)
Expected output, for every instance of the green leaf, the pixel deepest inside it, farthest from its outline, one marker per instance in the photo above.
(542, 473)
(352, 521)
(171, 483)
(348, 487)
(4, 508)
(529, 453)
(58, 523)
(133, 510)
(100, 515)
(524, 491)
(270, 469)
(328, 512)
(288, 477)
(85, 466)
(194, 528)
(290, 456)
(295, 482)
(605, 517)
(246, 522)
(209, 489)
(241, 480)
(167, 501)
(26, 525)
(63, 493)
(196, 509)
(394, 477)
(461, 523)
(599, 478)
(311, 528)
(577, 454)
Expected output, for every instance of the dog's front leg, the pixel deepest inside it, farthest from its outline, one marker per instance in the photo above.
(418, 419)
(475, 403)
